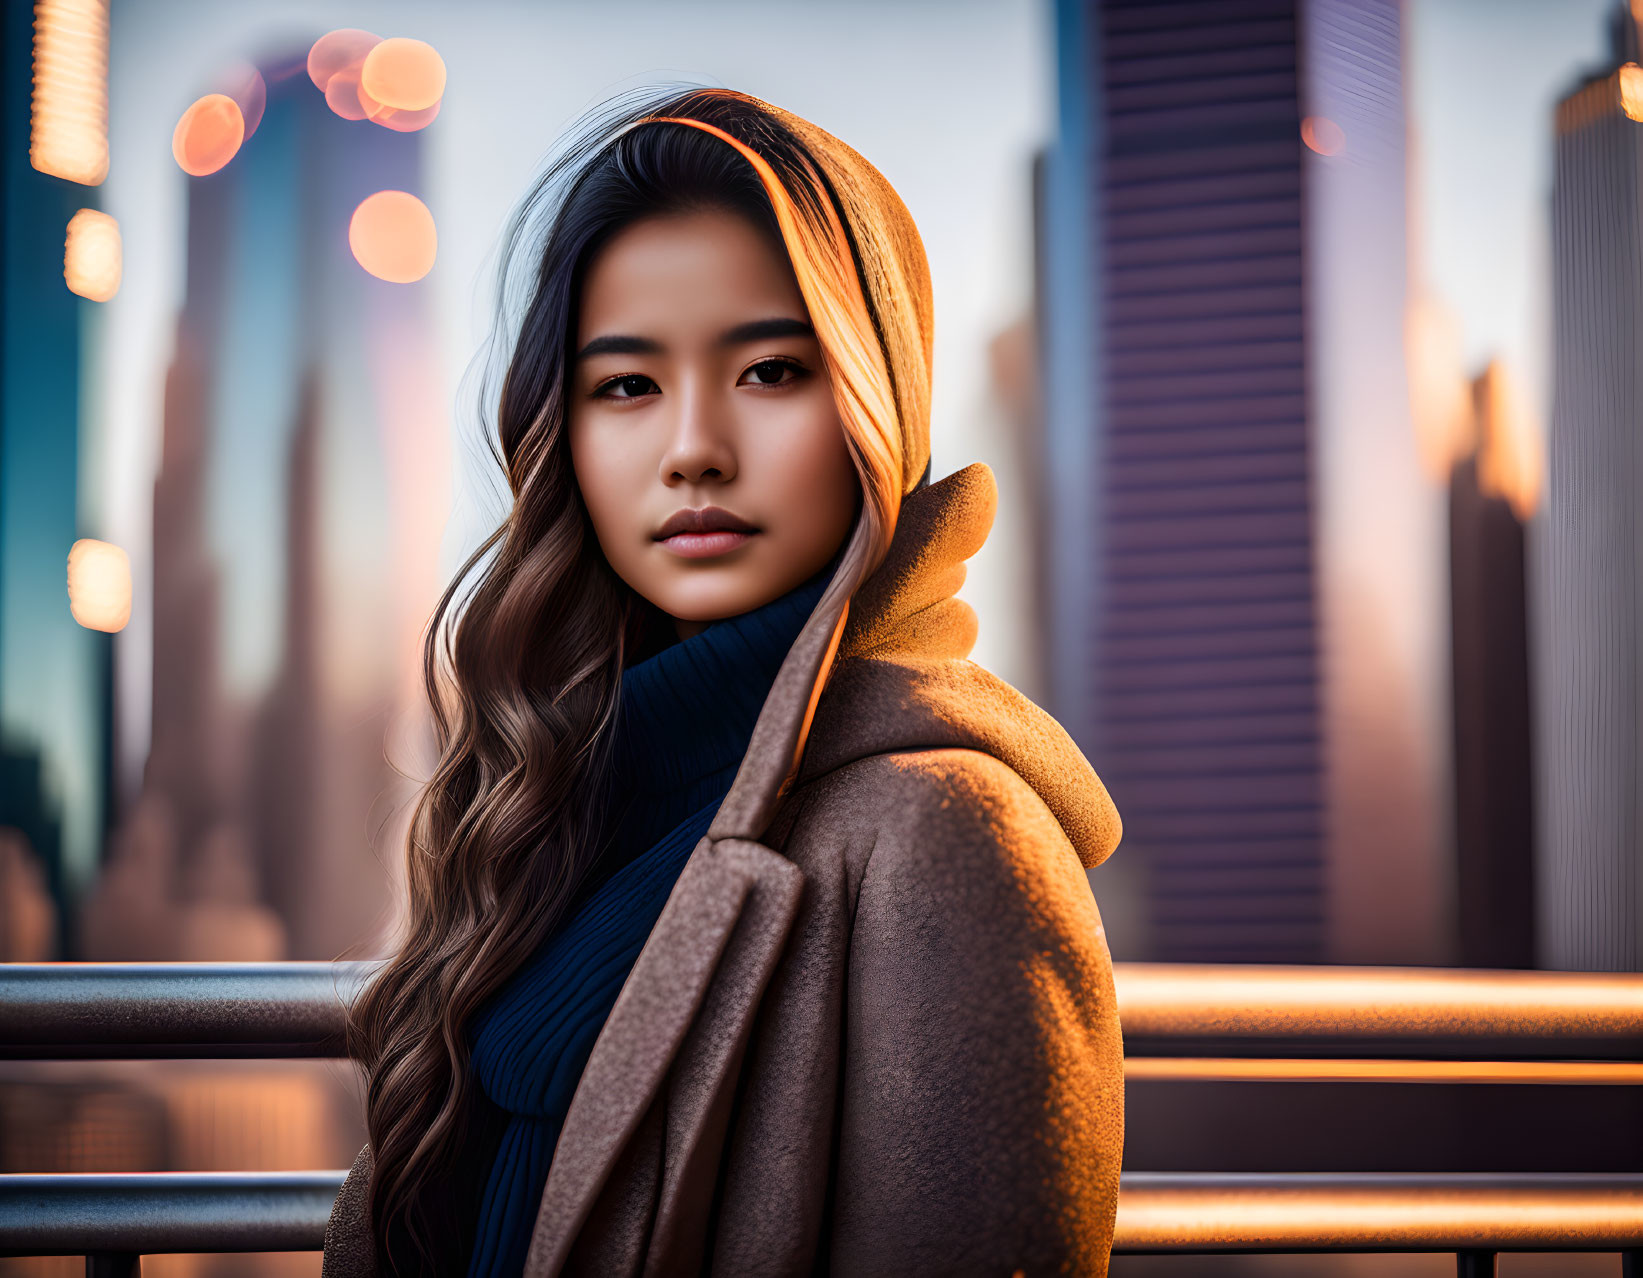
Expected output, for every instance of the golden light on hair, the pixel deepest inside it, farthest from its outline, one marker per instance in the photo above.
(403, 74)
(208, 135)
(68, 116)
(392, 236)
(1631, 90)
(1510, 464)
(337, 51)
(99, 585)
(92, 255)
(1323, 135)
(825, 270)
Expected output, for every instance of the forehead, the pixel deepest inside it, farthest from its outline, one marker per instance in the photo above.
(686, 272)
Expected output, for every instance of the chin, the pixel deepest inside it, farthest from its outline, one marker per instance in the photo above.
(704, 600)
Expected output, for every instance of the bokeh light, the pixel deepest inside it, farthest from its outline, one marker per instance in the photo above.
(99, 585)
(244, 83)
(373, 109)
(342, 95)
(209, 134)
(405, 74)
(92, 255)
(406, 121)
(392, 236)
(336, 51)
(1323, 135)
(68, 120)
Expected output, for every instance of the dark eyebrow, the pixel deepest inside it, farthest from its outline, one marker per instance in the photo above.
(616, 344)
(752, 331)
(759, 330)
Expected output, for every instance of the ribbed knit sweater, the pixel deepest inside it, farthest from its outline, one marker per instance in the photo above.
(685, 718)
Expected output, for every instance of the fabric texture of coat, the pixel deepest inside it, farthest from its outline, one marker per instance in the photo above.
(874, 1030)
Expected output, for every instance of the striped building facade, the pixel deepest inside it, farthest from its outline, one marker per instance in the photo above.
(1248, 417)
(1589, 559)
(1208, 684)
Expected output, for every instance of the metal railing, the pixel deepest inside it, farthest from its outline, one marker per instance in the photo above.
(1180, 1021)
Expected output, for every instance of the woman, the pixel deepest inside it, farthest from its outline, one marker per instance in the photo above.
(750, 931)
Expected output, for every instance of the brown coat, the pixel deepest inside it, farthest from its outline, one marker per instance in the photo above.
(874, 1029)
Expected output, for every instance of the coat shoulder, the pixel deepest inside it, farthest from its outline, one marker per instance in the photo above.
(948, 817)
(954, 792)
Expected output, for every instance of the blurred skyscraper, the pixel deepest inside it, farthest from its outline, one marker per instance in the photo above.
(1588, 553)
(330, 427)
(297, 514)
(1489, 499)
(1255, 593)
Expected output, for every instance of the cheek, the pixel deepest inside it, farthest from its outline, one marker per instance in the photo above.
(815, 481)
(604, 474)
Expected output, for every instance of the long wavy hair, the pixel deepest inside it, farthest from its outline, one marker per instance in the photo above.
(523, 678)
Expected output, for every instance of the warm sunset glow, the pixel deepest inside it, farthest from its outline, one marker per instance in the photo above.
(209, 135)
(1440, 396)
(1323, 135)
(403, 74)
(335, 51)
(1209, 1000)
(91, 255)
(392, 236)
(1372, 1211)
(1510, 463)
(1631, 90)
(68, 118)
(244, 83)
(99, 585)
(1222, 1069)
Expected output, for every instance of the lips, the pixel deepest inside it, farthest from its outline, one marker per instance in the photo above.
(708, 519)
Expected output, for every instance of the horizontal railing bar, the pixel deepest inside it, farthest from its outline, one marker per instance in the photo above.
(54, 1215)
(1223, 1069)
(171, 1011)
(113, 1011)
(71, 1214)
(1219, 1001)
(1379, 1212)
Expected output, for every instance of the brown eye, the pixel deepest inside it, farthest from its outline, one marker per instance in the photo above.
(769, 372)
(633, 386)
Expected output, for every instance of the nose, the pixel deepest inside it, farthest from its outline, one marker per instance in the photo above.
(699, 446)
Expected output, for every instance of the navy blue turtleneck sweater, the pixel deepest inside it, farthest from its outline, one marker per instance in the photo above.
(685, 718)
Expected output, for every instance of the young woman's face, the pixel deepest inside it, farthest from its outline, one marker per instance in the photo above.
(702, 425)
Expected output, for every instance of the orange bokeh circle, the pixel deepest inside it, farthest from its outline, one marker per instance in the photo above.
(392, 236)
(405, 74)
(340, 50)
(208, 135)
